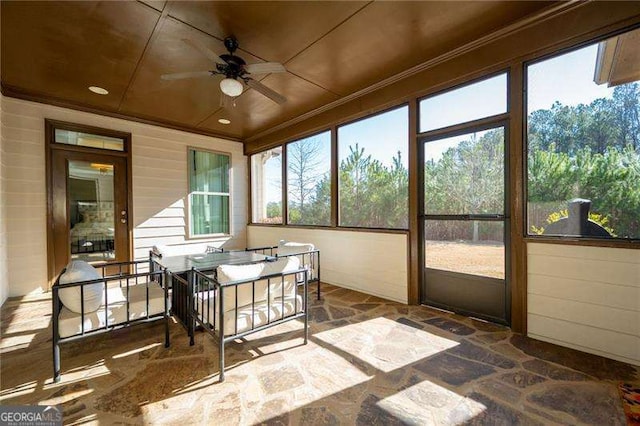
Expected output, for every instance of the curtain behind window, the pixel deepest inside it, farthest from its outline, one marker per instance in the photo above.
(209, 192)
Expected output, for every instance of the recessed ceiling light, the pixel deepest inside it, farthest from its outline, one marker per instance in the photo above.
(98, 90)
(224, 121)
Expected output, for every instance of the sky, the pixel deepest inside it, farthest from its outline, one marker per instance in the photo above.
(567, 78)
(381, 136)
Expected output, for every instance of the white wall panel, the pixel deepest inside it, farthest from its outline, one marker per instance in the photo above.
(587, 298)
(607, 343)
(370, 262)
(159, 167)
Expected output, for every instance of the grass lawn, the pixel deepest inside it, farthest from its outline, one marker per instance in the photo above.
(486, 259)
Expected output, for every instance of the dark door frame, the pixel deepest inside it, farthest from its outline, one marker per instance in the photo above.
(497, 121)
(50, 147)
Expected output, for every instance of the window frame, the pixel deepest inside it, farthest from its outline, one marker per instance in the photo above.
(190, 234)
(614, 242)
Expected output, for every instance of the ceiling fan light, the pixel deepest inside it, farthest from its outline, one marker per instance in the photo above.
(231, 87)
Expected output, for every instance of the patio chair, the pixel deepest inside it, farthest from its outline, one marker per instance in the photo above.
(238, 300)
(307, 254)
(87, 302)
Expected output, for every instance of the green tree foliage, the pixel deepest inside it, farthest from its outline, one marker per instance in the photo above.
(468, 178)
(371, 194)
(588, 151)
(604, 123)
(274, 212)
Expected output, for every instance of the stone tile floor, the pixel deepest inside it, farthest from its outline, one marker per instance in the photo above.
(369, 361)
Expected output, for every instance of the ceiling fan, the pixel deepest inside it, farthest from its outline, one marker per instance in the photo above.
(234, 69)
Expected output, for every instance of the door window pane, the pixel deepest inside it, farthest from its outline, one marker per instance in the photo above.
(209, 192)
(472, 102)
(309, 180)
(373, 178)
(266, 186)
(91, 210)
(465, 174)
(468, 247)
(69, 137)
(583, 158)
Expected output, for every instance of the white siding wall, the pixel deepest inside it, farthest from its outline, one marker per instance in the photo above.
(4, 282)
(159, 186)
(370, 262)
(587, 298)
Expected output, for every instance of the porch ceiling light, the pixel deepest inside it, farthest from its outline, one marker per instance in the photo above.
(231, 87)
(224, 121)
(98, 90)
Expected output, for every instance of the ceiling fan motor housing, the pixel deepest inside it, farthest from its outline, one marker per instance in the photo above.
(231, 44)
(234, 66)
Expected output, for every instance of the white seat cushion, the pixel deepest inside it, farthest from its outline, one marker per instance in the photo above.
(291, 248)
(70, 323)
(287, 248)
(230, 273)
(263, 312)
(93, 294)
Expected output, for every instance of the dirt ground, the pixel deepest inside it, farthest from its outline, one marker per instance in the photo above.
(470, 258)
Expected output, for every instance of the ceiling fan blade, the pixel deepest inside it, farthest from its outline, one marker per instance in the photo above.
(265, 68)
(196, 44)
(274, 96)
(182, 75)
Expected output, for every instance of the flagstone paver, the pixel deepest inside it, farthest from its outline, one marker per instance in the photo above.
(368, 361)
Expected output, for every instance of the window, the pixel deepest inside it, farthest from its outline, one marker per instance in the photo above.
(583, 138)
(373, 176)
(208, 193)
(266, 186)
(478, 100)
(309, 181)
(90, 140)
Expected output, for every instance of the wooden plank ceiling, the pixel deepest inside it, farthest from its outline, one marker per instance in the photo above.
(52, 51)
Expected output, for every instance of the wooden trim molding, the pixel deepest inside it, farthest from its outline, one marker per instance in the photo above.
(415, 191)
(587, 242)
(517, 247)
(285, 185)
(335, 167)
(332, 228)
